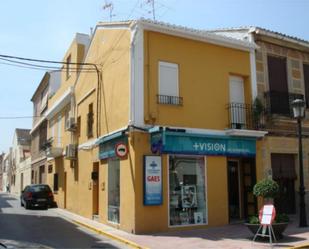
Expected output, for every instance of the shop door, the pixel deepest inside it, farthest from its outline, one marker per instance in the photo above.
(283, 171)
(95, 189)
(41, 173)
(241, 179)
(233, 190)
(248, 180)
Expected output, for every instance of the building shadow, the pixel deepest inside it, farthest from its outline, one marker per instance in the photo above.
(48, 231)
(238, 232)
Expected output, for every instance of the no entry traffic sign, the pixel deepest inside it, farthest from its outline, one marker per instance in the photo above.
(121, 150)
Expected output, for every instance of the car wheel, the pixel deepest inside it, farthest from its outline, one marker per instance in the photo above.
(28, 205)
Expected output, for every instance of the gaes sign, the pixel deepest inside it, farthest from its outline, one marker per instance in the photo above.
(152, 180)
(121, 150)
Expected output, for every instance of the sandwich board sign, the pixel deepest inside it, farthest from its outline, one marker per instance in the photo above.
(267, 216)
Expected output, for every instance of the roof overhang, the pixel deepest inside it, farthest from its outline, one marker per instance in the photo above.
(194, 34)
(295, 42)
(180, 31)
(37, 124)
(44, 80)
(59, 104)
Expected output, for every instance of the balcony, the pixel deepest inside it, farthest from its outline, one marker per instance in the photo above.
(52, 151)
(169, 100)
(280, 102)
(245, 116)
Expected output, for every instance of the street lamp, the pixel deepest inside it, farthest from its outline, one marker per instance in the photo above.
(298, 106)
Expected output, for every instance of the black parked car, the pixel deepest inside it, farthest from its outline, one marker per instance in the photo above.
(37, 195)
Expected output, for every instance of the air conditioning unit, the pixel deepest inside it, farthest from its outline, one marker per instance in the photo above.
(70, 124)
(71, 151)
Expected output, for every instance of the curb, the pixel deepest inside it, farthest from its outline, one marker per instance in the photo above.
(302, 246)
(111, 236)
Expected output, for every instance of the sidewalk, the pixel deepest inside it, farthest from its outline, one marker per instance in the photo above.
(228, 237)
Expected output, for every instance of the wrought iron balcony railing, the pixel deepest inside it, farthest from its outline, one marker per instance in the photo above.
(169, 100)
(245, 116)
(280, 102)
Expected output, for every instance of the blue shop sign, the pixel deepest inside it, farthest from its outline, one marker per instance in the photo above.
(200, 144)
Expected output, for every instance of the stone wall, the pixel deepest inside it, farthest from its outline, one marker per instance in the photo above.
(295, 61)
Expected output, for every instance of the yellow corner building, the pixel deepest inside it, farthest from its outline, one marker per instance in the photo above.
(151, 129)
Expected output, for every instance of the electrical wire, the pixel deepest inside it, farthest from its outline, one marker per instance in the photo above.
(19, 117)
(46, 61)
(41, 69)
(46, 67)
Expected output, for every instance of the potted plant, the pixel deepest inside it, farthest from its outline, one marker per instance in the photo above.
(257, 111)
(280, 224)
(268, 189)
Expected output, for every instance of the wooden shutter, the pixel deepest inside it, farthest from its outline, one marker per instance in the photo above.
(306, 78)
(277, 74)
(278, 85)
(283, 166)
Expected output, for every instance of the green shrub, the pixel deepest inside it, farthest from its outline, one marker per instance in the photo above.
(266, 188)
(281, 218)
(254, 219)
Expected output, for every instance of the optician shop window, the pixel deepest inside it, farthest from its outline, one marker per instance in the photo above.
(187, 194)
(113, 190)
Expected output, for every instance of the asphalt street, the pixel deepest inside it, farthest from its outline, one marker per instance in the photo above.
(38, 228)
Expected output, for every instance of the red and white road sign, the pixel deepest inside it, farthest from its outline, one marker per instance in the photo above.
(121, 150)
(267, 214)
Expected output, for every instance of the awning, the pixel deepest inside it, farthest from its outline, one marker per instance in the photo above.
(107, 144)
(181, 142)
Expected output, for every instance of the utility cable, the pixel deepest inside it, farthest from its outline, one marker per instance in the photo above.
(19, 117)
(45, 61)
(46, 67)
(42, 69)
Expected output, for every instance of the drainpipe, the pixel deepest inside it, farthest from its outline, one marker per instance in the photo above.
(132, 109)
(253, 69)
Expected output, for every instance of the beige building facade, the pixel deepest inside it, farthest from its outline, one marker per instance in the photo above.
(282, 75)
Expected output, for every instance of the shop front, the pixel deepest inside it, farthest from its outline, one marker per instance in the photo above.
(192, 161)
(164, 180)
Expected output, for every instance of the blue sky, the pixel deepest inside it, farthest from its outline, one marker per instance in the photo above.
(43, 29)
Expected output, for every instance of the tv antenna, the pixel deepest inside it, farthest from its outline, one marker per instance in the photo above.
(109, 6)
(152, 4)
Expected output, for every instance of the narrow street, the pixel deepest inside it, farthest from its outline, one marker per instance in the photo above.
(37, 228)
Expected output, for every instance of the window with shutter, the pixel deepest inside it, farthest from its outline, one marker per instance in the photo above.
(278, 85)
(306, 78)
(168, 84)
(90, 121)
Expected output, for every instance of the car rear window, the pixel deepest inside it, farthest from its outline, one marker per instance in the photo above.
(40, 188)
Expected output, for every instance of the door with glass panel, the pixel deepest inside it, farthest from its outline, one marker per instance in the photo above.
(187, 194)
(234, 189)
(113, 190)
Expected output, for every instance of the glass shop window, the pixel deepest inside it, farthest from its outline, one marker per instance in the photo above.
(187, 195)
(113, 190)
